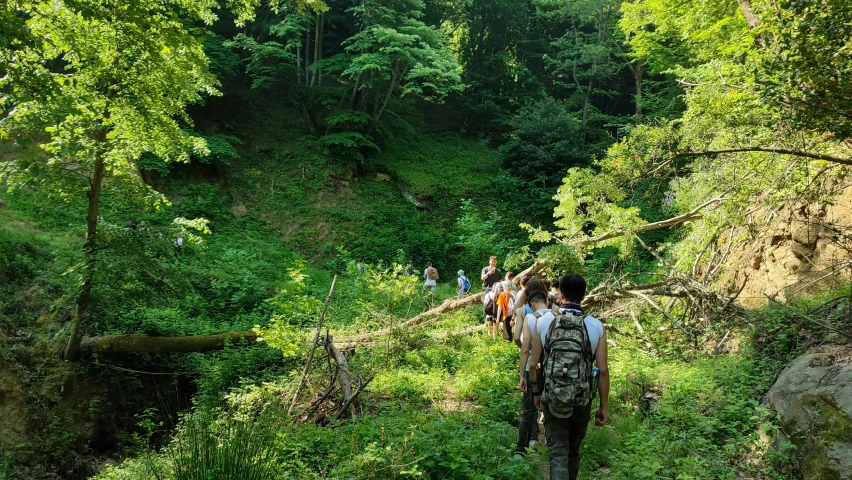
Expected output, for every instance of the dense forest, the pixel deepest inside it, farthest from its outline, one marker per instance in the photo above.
(215, 219)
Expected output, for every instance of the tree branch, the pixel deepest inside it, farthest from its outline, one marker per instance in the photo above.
(782, 151)
(313, 347)
(693, 214)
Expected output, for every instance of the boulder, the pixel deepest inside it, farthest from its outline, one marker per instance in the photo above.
(813, 398)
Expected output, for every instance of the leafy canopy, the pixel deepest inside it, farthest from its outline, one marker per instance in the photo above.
(106, 81)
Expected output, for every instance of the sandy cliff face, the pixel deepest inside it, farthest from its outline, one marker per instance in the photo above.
(793, 251)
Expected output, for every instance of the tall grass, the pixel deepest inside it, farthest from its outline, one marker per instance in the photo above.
(210, 445)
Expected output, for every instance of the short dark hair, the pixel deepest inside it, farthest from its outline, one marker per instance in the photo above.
(429, 263)
(555, 283)
(510, 275)
(535, 288)
(522, 280)
(572, 288)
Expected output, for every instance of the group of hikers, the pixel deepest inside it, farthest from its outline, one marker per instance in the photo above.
(563, 359)
(177, 243)
(563, 356)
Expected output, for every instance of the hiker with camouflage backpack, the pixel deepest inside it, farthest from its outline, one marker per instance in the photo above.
(572, 344)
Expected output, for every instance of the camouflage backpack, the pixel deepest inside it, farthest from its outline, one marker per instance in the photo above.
(567, 365)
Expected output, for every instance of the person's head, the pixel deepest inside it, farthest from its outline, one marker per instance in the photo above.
(428, 264)
(143, 223)
(493, 261)
(523, 281)
(130, 221)
(510, 275)
(535, 291)
(410, 262)
(572, 288)
(546, 283)
(461, 273)
(554, 285)
(360, 260)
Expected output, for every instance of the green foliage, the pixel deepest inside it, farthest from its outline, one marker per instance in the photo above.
(545, 140)
(292, 309)
(222, 59)
(118, 94)
(208, 446)
(805, 75)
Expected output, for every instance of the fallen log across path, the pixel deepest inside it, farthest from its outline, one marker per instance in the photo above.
(128, 344)
(431, 315)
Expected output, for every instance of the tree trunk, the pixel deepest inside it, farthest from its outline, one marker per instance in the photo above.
(317, 36)
(377, 114)
(129, 344)
(307, 58)
(751, 18)
(321, 45)
(299, 65)
(638, 74)
(343, 373)
(588, 99)
(80, 324)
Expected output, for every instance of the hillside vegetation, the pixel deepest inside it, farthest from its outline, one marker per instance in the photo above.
(290, 158)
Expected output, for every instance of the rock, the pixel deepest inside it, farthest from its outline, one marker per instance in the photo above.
(801, 251)
(813, 398)
(805, 232)
(777, 239)
(239, 209)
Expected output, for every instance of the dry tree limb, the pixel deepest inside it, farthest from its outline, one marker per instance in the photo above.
(343, 373)
(362, 383)
(660, 309)
(701, 253)
(313, 347)
(332, 389)
(782, 151)
(693, 214)
(641, 330)
(718, 348)
(810, 318)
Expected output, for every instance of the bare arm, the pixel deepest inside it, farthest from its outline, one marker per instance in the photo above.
(602, 415)
(519, 325)
(525, 348)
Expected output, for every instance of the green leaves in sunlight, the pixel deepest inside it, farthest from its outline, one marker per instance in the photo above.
(293, 309)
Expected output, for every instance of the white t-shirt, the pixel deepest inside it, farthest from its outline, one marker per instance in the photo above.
(593, 326)
(532, 325)
(429, 282)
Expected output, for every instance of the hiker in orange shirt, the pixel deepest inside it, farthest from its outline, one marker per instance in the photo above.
(505, 306)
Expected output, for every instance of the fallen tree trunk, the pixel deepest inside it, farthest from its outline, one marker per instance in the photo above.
(343, 373)
(127, 344)
(449, 305)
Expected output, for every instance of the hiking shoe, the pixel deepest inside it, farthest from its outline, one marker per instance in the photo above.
(518, 452)
(533, 443)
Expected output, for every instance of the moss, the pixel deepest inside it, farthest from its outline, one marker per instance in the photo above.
(830, 425)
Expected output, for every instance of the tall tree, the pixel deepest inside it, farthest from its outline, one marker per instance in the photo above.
(98, 83)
